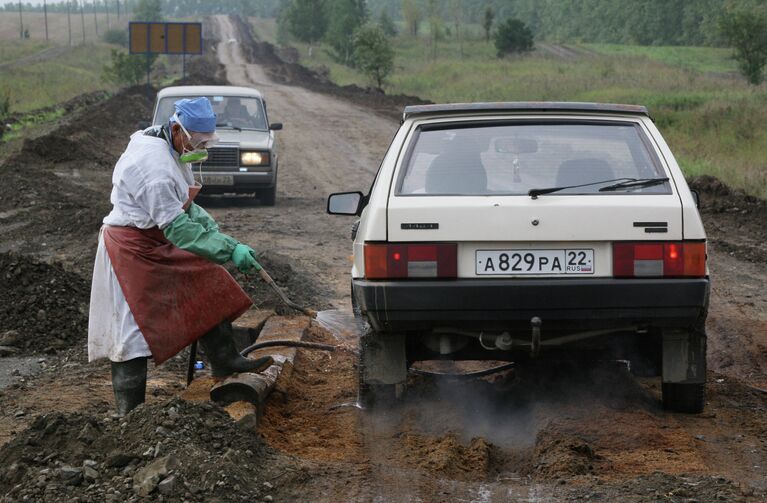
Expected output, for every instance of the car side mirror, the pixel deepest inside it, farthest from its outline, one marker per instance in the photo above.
(275, 126)
(144, 124)
(345, 203)
(695, 197)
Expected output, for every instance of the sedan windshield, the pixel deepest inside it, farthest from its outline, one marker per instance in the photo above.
(512, 159)
(236, 112)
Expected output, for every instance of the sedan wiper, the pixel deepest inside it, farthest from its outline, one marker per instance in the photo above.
(634, 183)
(229, 126)
(534, 193)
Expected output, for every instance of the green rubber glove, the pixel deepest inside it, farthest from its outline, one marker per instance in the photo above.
(194, 237)
(202, 217)
(244, 257)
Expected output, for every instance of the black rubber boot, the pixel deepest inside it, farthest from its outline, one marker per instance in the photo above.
(129, 384)
(222, 354)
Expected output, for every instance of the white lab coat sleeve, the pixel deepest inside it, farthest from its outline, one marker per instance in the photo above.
(112, 330)
(161, 201)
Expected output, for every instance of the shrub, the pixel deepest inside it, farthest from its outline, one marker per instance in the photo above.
(5, 104)
(127, 69)
(747, 32)
(116, 37)
(513, 36)
(373, 53)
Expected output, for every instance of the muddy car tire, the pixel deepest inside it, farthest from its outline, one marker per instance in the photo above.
(268, 197)
(376, 394)
(682, 395)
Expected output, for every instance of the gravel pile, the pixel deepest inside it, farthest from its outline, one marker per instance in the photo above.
(43, 308)
(175, 451)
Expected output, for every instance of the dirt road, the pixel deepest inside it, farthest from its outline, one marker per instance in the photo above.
(312, 164)
(564, 433)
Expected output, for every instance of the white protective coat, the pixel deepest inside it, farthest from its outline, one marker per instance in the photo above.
(149, 189)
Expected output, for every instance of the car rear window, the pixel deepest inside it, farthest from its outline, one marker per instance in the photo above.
(231, 111)
(511, 159)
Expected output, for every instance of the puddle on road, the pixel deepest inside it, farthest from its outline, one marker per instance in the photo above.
(342, 324)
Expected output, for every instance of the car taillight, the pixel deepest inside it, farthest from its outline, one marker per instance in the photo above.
(652, 259)
(411, 260)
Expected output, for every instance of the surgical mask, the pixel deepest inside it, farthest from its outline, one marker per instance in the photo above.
(197, 155)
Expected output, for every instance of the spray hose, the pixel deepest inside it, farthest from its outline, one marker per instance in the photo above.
(295, 344)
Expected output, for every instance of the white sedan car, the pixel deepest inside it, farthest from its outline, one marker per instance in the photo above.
(520, 231)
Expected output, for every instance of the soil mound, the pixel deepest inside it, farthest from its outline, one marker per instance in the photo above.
(558, 454)
(43, 308)
(734, 220)
(447, 457)
(291, 73)
(179, 450)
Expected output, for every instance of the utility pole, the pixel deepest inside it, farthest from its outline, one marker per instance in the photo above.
(118, 10)
(95, 18)
(82, 17)
(45, 12)
(69, 22)
(21, 23)
(106, 8)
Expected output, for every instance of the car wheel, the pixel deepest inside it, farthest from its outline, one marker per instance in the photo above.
(267, 196)
(374, 395)
(683, 397)
(684, 371)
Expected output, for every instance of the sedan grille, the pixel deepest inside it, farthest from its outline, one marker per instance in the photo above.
(222, 156)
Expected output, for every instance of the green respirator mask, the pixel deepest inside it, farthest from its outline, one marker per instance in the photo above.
(198, 155)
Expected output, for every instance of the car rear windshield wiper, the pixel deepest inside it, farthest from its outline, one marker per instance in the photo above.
(229, 126)
(631, 184)
(534, 193)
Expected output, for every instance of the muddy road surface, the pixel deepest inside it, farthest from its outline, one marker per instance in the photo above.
(563, 432)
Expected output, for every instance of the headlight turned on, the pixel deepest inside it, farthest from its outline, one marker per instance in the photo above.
(254, 158)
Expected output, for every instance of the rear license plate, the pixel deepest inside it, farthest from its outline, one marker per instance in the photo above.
(216, 179)
(506, 262)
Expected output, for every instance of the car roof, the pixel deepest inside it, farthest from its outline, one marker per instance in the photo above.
(208, 91)
(522, 106)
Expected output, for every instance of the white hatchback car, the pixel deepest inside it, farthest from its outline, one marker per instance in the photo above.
(519, 231)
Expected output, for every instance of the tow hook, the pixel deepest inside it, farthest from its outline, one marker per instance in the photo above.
(535, 324)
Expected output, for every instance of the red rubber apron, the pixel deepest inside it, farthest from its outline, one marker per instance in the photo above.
(174, 295)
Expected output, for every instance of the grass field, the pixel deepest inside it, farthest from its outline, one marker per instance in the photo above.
(713, 121)
(45, 83)
(58, 28)
(702, 59)
(39, 74)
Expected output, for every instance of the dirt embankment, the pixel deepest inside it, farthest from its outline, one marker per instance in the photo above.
(293, 74)
(735, 222)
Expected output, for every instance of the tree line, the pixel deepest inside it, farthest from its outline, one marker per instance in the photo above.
(642, 22)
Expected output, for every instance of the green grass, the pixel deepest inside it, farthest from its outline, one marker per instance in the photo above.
(702, 59)
(11, 50)
(53, 81)
(713, 122)
(16, 130)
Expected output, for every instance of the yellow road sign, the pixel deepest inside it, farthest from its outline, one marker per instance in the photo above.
(165, 38)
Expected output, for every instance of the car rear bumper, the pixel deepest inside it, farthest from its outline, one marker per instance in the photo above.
(564, 304)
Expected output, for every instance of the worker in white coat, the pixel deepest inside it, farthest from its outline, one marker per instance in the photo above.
(158, 284)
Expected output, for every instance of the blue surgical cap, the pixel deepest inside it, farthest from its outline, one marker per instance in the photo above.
(196, 114)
